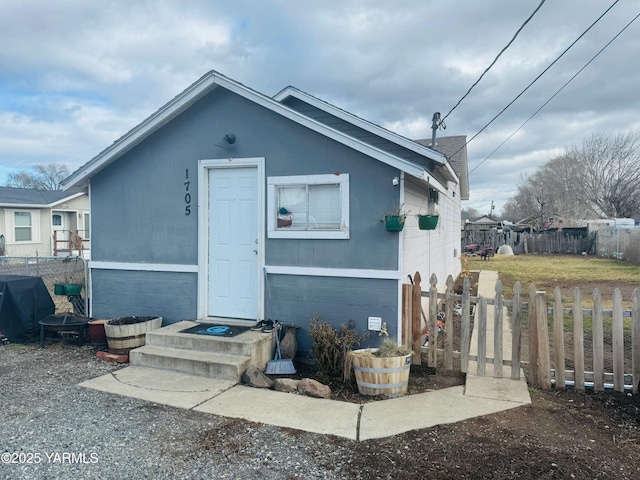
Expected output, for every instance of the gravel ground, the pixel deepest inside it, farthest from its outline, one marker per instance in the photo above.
(70, 432)
(50, 428)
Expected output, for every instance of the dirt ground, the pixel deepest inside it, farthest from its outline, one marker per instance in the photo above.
(563, 434)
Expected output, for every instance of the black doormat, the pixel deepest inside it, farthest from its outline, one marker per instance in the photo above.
(216, 330)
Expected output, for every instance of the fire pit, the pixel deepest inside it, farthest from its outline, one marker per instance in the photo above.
(67, 323)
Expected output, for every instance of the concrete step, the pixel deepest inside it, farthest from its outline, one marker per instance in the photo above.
(172, 336)
(257, 345)
(193, 362)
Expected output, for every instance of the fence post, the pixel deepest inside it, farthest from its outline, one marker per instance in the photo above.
(635, 340)
(482, 336)
(416, 320)
(533, 336)
(558, 338)
(465, 325)
(618, 342)
(407, 303)
(598, 342)
(544, 362)
(578, 340)
(432, 353)
(516, 333)
(497, 331)
(449, 327)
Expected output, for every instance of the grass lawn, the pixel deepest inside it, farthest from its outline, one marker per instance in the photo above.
(565, 271)
(547, 272)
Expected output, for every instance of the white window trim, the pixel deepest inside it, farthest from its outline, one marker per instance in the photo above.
(11, 227)
(274, 182)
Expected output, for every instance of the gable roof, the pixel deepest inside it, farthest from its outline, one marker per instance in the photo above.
(439, 159)
(29, 198)
(208, 83)
(455, 149)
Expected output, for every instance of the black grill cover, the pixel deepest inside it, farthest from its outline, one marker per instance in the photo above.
(24, 301)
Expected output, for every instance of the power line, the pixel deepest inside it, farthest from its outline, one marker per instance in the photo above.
(559, 90)
(494, 60)
(538, 77)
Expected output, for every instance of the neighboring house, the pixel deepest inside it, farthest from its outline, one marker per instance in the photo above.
(192, 205)
(44, 222)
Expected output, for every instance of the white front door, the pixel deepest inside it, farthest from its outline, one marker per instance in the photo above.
(233, 243)
(60, 224)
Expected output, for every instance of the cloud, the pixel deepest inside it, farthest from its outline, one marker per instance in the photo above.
(76, 75)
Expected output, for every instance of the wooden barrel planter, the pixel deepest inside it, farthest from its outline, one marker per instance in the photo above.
(388, 376)
(126, 333)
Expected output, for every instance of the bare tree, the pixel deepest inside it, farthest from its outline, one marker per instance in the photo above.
(599, 178)
(43, 177)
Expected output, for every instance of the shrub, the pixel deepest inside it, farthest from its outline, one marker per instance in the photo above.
(330, 347)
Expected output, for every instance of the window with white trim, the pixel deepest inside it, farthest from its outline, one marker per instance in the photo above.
(23, 226)
(308, 206)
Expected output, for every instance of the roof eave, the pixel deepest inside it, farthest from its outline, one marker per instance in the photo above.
(196, 91)
(362, 123)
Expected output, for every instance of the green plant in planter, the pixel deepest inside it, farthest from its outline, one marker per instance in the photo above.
(389, 348)
(394, 220)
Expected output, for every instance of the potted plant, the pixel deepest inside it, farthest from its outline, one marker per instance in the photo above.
(383, 370)
(394, 221)
(73, 279)
(429, 222)
(126, 333)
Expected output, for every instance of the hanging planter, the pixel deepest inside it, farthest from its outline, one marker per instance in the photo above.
(427, 222)
(394, 223)
(72, 288)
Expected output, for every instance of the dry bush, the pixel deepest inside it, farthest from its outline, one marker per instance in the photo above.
(330, 347)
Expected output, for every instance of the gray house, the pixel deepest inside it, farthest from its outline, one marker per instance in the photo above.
(223, 183)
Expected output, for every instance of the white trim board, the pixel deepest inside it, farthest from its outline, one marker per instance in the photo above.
(334, 272)
(143, 267)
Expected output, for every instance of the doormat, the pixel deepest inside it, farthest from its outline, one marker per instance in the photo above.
(216, 330)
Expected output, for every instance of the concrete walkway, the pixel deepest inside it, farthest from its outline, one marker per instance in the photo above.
(480, 396)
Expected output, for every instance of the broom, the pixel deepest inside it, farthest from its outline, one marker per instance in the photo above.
(279, 365)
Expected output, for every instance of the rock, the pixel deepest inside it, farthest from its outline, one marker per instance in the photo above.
(255, 378)
(312, 388)
(287, 385)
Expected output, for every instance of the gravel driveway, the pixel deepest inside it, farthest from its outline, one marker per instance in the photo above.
(53, 429)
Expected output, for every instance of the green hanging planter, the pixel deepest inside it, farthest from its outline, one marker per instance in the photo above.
(72, 288)
(58, 289)
(427, 222)
(394, 223)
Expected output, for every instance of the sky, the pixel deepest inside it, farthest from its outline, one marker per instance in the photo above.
(75, 75)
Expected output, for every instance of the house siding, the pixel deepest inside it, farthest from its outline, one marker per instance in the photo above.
(430, 251)
(117, 293)
(297, 299)
(138, 202)
(138, 216)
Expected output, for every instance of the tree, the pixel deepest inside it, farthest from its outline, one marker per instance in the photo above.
(599, 178)
(43, 177)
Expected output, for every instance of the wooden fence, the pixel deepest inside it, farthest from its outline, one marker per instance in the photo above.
(542, 321)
